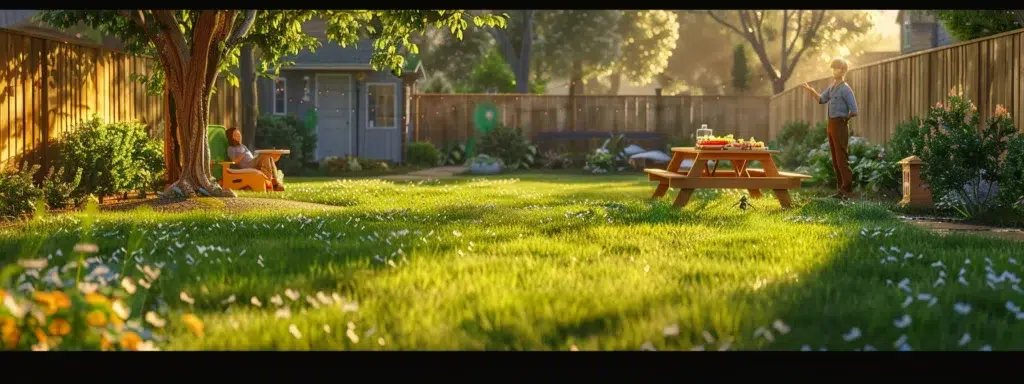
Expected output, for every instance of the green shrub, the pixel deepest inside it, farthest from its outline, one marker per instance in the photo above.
(151, 175)
(795, 142)
(59, 189)
(1011, 179)
(507, 144)
(422, 154)
(864, 159)
(372, 165)
(601, 161)
(963, 156)
(886, 174)
(287, 132)
(556, 160)
(107, 154)
(454, 153)
(18, 192)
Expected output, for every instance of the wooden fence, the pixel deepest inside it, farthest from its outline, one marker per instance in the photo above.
(894, 90)
(47, 86)
(442, 118)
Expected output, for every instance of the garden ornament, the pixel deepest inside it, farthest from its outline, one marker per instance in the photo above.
(485, 118)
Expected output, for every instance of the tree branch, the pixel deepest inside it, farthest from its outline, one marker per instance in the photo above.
(812, 30)
(796, 35)
(171, 30)
(243, 29)
(725, 23)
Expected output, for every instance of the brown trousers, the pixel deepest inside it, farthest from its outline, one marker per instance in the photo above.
(266, 165)
(839, 143)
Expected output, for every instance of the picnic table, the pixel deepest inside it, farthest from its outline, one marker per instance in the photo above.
(275, 154)
(741, 177)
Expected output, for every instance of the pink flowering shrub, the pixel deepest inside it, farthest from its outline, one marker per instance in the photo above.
(964, 155)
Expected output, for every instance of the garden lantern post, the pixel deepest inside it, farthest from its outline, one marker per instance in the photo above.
(915, 190)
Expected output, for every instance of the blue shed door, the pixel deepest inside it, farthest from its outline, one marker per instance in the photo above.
(334, 115)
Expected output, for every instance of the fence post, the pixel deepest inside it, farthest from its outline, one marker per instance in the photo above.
(657, 110)
(45, 104)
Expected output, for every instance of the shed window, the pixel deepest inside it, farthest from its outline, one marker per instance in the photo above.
(381, 105)
(906, 33)
(280, 96)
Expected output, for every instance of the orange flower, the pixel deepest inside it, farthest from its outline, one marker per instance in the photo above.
(46, 300)
(105, 343)
(10, 335)
(96, 319)
(1001, 111)
(3, 294)
(193, 323)
(130, 341)
(96, 299)
(59, 327)
(40, 335)
(62, 300)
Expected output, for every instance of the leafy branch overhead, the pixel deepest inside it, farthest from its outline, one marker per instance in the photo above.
(796, 31)
(276, 34)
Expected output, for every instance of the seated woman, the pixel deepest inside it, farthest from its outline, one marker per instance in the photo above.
(241, 156)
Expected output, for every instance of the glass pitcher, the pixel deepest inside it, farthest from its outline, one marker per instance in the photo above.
(703, 132)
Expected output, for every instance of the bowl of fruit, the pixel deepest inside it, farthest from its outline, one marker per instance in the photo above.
(714, 142)
(747, 145)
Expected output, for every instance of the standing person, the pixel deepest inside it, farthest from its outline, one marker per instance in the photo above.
(244, 158)
(842, 107)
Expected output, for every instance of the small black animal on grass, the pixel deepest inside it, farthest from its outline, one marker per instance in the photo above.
(744, 203)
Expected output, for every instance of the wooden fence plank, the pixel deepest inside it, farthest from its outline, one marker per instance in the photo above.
(48, 86)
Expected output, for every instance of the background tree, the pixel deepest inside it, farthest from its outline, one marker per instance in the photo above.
(455, 58)
(516, 45)
(740, 69)
(647, 39)
(970, 24)
(796, 32)
(193, 48)
(578, 44)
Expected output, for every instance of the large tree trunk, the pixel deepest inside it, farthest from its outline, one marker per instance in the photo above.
(576, 79)
(778, 86)
(191, 81)
(616, 84)
(249, 108)
(522, 74)
(172, 148)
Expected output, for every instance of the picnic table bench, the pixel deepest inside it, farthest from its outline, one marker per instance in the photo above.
(741, 177)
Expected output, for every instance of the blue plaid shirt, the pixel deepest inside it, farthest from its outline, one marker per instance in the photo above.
(840, 100)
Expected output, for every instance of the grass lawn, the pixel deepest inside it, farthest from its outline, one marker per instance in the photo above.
(554, 261)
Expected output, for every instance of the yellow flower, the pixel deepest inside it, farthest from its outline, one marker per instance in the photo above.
(59, 327)
(130, 341)
(3, 294)
(96, 299)
(193, 323)
(96, 319)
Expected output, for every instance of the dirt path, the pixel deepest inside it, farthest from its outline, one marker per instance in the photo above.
(427, 174)
(233, 205)
(945, 227)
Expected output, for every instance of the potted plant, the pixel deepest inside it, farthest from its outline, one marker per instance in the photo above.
(485, 165)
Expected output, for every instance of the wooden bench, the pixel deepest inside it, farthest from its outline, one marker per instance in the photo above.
(699, 176)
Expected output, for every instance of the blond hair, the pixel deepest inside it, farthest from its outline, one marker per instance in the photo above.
(840, 63)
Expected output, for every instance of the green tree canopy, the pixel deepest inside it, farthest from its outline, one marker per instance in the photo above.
(194, 47)
(972, 24)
